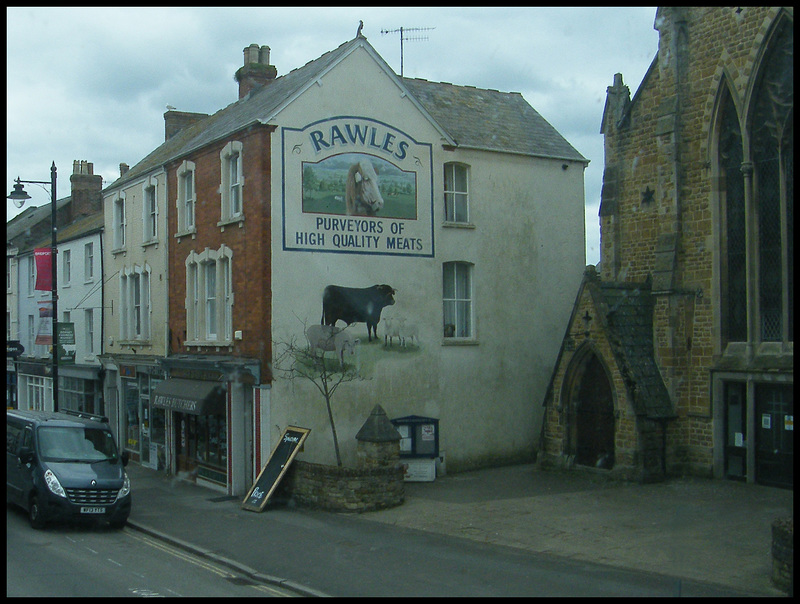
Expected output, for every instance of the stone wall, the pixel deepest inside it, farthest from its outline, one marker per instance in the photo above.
(341, 489)
(783, 554)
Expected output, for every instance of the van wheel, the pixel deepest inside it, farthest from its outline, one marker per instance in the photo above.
(35, 514)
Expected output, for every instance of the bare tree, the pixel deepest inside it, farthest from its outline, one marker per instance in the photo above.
(297, 360)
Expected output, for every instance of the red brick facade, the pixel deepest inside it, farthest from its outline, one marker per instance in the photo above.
(249, 240)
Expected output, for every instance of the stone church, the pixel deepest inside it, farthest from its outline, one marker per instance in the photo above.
(678, 358)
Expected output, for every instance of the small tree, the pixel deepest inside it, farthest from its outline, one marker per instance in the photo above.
(295, 360)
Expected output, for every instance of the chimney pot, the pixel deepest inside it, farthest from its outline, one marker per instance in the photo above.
(123, 169)
(251, 54)
(256, 71)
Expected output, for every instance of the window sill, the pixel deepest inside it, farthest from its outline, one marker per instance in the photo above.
(119, 250)
(147, 244)
(229, 221)
(209, 344)
(459, 342)
(192, 232)
(458, 225)
(134, 343)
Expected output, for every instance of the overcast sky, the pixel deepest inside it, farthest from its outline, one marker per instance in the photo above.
(93, 83)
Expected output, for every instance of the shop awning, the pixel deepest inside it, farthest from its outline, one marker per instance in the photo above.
(190, 396)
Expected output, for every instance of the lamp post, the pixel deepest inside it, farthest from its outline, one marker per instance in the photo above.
(19, 196)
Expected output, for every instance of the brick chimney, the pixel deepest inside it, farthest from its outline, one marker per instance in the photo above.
(87, 190)
(175, 121)
(256, 71)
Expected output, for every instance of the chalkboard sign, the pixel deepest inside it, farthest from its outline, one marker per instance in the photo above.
(277, 465)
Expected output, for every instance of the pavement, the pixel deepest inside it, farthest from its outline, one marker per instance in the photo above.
(712, 533)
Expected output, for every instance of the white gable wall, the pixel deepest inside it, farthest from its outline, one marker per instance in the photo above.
(526, 245)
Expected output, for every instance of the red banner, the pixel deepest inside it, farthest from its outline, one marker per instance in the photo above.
(44, 269)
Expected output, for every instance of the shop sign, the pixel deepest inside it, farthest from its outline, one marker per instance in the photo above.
(66, 333)
(14, 348)
(127, 371)
(356, 185)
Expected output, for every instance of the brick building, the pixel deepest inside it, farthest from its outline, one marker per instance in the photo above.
(679, 353)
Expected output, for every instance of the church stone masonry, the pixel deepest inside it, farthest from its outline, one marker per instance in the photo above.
(696, 241)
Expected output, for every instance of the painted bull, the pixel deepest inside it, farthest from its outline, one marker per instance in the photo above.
(362, 195)
(356, 305)
(327, 338)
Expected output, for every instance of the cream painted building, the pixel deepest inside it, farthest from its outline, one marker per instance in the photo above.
(135, 320)
(495, 235)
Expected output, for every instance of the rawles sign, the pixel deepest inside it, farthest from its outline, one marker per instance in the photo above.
(358, 186)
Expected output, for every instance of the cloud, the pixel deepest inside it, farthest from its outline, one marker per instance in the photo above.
(93, 83)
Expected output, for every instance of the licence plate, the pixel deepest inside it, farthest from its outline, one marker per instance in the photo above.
(95, 510)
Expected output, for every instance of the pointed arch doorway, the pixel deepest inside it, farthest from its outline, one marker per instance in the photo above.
(592, 414)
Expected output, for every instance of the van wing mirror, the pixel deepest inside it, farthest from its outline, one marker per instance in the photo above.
(125, 457)
(26, 455)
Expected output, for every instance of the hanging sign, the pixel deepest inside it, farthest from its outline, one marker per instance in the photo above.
(44, 268)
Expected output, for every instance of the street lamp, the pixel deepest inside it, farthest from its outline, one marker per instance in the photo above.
(19, 197)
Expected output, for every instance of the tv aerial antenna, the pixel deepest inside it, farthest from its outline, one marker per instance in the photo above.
(403, 38)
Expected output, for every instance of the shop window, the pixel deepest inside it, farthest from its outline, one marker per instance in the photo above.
(76, 394)
(39, 391)
(131, 424)
(457, 300)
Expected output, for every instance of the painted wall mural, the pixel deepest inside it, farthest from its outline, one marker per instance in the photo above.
(356, 185)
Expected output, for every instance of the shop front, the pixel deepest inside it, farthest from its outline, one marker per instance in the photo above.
(142, 426)
(198, 427)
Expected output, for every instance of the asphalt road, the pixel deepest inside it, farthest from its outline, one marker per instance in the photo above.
(85, 561)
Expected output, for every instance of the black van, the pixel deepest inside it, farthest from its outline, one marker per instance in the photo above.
(64, 466)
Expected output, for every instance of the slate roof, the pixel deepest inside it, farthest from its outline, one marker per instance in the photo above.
(472, 117)
(19, 228)
(488, 119)
(626, 310)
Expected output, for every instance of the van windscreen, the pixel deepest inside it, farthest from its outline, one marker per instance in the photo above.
(76, 444)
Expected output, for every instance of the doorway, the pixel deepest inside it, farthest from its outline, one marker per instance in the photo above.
(774, 435)
(594, 417)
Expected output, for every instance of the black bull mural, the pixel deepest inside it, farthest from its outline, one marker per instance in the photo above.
(356, 305)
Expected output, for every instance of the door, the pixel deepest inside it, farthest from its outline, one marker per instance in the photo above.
(185, 444)
(595, 418)
(735, 430)
(19, 476)
(774, 435)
